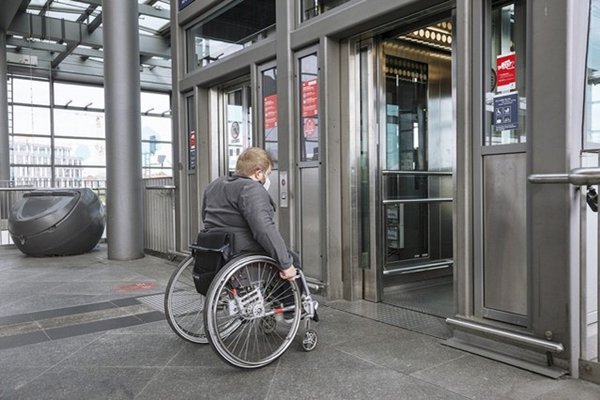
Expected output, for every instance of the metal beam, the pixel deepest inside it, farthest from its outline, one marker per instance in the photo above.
(154, 12)
(29, 25)
(95, 24)
(34, 44)
(59, 58)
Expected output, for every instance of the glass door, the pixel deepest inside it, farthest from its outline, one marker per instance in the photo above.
(238, 123)
(416, 160)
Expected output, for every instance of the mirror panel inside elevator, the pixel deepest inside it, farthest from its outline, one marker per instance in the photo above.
(416, 160)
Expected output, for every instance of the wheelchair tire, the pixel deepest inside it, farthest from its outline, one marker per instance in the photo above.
(251, 315)
(184, 305)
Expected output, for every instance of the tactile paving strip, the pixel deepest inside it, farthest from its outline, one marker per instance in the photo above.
(155, 301)
(396, 316)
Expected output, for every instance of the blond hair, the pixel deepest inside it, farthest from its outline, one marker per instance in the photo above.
(251, 160)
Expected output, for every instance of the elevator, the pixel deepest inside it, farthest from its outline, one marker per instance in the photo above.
(408, 155)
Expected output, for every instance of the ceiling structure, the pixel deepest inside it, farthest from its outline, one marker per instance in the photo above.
(64, 38)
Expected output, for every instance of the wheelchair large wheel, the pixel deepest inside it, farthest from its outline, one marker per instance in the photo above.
(251, 315)
(184, 305)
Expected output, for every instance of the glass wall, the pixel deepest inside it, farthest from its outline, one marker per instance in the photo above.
(309, 108)
(228, 30)
(592, 93)
(312, 8)
(505, 100)
(57, 137)
(269, 96)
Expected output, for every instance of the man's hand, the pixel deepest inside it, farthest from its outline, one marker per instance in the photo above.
(288, 274)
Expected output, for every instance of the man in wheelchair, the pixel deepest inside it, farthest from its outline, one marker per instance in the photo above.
(240, 205)
(251, 302)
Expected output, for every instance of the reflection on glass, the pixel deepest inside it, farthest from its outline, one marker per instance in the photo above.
(78, 156)
(312, 8)
(238, 126)
(157, 103)
(505, 101)
(270, 116)
(235, 26)
(592, 94)
(74, 95)
(79, 152)
(30, 91)
(31, 120)
(78, 123)
(309, 108)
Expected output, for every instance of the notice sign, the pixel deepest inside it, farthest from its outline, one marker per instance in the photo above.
(270, 111)
(506, 111)
(506, 67)
(192, 150)
(310, 95)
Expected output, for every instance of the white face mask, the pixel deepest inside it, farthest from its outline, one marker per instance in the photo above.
(267, 184)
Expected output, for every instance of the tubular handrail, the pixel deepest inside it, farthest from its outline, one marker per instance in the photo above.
(577, 177)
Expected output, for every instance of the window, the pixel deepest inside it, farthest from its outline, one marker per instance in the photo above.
(313, 8)
(69, 150)
(505, 101)
(309, 108)
(229, 29)
(270, 116)
(592, 88)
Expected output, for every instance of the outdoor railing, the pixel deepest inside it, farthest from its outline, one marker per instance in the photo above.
(159, 209)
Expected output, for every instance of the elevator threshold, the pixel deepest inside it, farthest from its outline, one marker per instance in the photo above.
(421, 267)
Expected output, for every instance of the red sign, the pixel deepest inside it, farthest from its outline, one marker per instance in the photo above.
(270, 111)
(506, 67)
(310, 97)
(309, 127)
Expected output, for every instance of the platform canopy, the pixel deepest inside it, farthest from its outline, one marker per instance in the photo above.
(65, 37)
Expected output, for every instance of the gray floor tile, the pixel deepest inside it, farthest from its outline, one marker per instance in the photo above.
(572, 389)
(331, 374)
(401, 352)
(357, 357)
(14, 377)
(86, 383)
(127, 351)
(480, 378)
(41, 302)
(45, 354)
(209, 383)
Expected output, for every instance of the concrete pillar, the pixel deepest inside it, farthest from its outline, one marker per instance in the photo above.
(123, 130)
(4, 149)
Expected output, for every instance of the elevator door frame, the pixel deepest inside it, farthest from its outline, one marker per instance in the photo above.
(372, 264)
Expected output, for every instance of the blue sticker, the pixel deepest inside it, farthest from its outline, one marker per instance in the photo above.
(506, 111)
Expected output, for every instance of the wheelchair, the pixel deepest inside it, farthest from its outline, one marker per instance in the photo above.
(249, 315)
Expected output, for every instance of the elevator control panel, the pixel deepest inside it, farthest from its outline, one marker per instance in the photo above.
(283, 189)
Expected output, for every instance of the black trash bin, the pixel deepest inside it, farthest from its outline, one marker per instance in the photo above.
(57, 222)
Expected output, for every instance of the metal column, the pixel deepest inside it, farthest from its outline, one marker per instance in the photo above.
(4, 150)
(123, 130)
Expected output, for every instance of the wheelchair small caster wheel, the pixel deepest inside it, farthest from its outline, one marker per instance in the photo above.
(309, 342)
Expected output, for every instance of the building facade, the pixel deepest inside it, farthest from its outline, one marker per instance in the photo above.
(411, 141)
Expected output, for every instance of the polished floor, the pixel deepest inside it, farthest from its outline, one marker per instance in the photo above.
(85, 327)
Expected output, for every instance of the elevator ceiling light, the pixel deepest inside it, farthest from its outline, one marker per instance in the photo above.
(438, 36)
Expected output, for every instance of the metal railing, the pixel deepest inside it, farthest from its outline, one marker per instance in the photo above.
(159, 210)
(589, 365)
(9, 195)
(159, 215)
